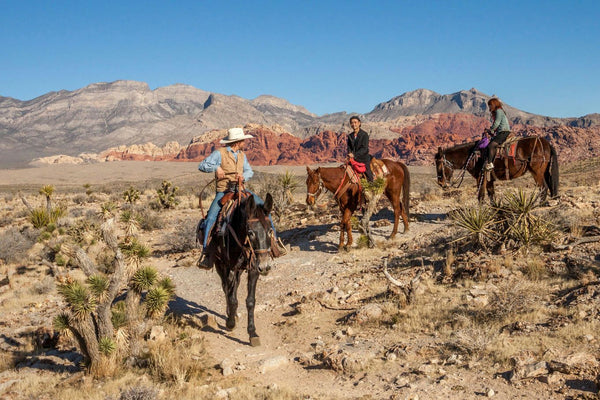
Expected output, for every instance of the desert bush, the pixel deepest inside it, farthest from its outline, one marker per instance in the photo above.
(45, 286)
(88, 189)
(15, 242)
(183, 239)
(5, 220)
(138, 393)
(149, 220)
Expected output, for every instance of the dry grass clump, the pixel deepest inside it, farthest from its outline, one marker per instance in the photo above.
(178, 359)
(183, 238)
(15, 242)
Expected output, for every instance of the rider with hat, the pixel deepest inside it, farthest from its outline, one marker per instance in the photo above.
(229, 163)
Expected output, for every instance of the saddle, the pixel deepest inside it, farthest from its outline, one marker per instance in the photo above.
(378, 168)
(228, 204)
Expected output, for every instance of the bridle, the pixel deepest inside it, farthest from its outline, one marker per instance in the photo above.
(319, 190)
(249, 253)
(451, 166)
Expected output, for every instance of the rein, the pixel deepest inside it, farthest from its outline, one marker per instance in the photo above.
(248, 251)
(463, 169)
(200, 198)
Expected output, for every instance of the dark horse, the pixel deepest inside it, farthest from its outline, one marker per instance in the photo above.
(244, 246)
(534, 154)
(397, 190)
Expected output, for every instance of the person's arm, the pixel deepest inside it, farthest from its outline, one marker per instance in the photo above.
(497, 121)
(210, 163)
(248, 173)
(362, 148)
(350, 147)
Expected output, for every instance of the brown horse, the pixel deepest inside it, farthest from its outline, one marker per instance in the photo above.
(397, 190)
(534, 154)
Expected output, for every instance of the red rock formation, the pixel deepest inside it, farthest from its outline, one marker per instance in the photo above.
(414, 144)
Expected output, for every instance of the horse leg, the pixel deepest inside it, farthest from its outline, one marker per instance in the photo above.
(489, 186)
(481, 182)
(233, 281)
(348, 226)
(540, 182)
(395, 200)
(250, 302)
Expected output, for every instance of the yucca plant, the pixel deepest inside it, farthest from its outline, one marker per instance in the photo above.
(478, 222)
(167, 195)
(521, 223)
(107, 346)
(99, 286)
(288, 184)
(47, 191)
(131, 195)
(99, 326)
(157, 300)
(107, 210)
(135, 251)
(79, 299)
(143, 279)
(131, 221)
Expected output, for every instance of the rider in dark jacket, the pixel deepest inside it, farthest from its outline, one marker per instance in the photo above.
(358, 146)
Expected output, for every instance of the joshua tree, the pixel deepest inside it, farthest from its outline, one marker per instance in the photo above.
(131, 195)
(47, 191)
(167, 195)
(91, 309)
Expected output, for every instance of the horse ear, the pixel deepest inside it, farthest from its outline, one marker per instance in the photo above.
(250, 205)
(440, 151)
(308, 170)
(268, 206)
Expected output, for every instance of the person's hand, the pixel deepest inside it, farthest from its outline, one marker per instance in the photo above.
(220, 173)
(350, 155)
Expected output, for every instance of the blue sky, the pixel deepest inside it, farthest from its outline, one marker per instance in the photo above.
(328, 56)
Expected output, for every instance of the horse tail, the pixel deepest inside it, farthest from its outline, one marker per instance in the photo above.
(406, 189)
(551, 173)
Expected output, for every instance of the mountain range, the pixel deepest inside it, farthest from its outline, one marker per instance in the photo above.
(102, 117)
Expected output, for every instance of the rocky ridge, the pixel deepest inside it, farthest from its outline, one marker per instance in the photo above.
(103, 117)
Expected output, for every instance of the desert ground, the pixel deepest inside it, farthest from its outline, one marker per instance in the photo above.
(468, 314)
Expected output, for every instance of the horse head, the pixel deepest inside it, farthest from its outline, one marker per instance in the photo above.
(257, 245)
(443, 168)
(314, 186)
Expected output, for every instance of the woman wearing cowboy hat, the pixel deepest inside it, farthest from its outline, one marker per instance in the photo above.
(229, 163)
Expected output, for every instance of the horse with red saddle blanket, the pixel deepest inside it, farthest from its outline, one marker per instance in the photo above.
(345, 183)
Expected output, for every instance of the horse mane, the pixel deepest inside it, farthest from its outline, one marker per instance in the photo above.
(461, 146)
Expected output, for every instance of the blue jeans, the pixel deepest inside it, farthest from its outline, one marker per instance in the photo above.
(213, 214)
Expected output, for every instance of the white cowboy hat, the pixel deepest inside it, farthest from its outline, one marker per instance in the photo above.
(235, 135)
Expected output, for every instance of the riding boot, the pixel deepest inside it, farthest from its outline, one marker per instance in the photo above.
(206, 261)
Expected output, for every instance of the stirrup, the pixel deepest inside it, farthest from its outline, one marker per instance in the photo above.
(489, 166)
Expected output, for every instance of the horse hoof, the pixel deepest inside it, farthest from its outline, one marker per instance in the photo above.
(255, 341)
(230, 325)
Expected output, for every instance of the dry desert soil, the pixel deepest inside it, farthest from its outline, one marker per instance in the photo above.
(506, 322)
